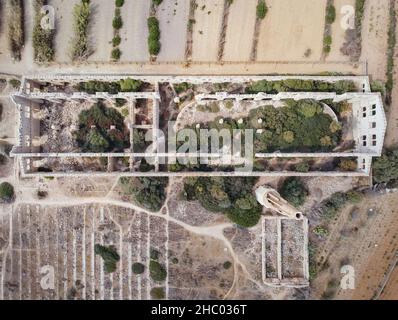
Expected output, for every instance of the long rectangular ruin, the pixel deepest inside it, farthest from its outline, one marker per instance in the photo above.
(49, 107)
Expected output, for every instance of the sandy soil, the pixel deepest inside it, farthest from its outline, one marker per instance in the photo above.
(374, 37)
(364, 236)
(206, 31)
(338, 33)
(290, 28)
(64, 28)
(8, 118)
(135, 31)
(240, 30)
(173, 19)
(101, 29)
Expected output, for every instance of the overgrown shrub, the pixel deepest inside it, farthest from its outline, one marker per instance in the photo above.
(15, 83)
(148, 192)
(119, 3)
(385, 168)
(157, 271)
(116, 53)
(117, 22)
(42, 38)
(261, 9)
(330, 14)
(6, 192)
(116, 41)
(101, 129)
(16, 29)
(294, 191)
(80, 43)
(109, 255)
(154, 36)
(157, 2)
(231, 196)
(158, 293)
(138, 268)
(330, 207)
(298, 85)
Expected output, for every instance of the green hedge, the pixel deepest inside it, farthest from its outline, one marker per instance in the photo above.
(154, 36)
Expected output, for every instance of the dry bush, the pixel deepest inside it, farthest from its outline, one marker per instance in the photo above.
(16, 28)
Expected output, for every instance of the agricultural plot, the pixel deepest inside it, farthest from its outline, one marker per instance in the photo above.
(240, 30)
(101, 29)
(338, 33)
(173, 20)
(134, 33)
(39, 241)
(291, 29)
(206, 30)
(63, 28)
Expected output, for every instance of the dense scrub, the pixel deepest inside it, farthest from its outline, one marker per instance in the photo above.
(101, 129)
(385, 168)
(154, 36)
(6, 192)
(332, 206)
(300, 126)
(261, 9)
(296, 85)
(109, 255)
(80, 43)
(232, 196)
(294, 191)
(16, 30)
(148, 192)
(124, 85)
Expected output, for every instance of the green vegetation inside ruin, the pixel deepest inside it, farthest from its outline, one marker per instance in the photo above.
(294, 191)
(138, 268)
(16, 30)
(296, 85)
(42, 38)
(299, 126)
(124, 85)
(157, 271)
(153, 36)
(102, 129)
(261, 9)
(109, 255)
(232, 196)
(7, 193)
(148, 192)
(80, 43)
(385, 168)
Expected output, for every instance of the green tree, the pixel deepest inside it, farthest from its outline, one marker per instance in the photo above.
(6, 192)
(157, 271)
(261, 9)
(294, 191)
